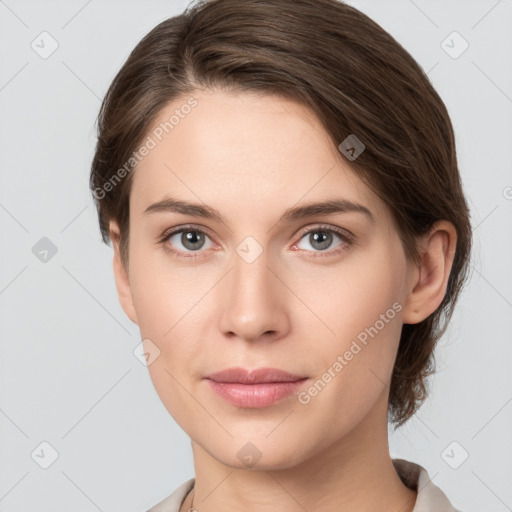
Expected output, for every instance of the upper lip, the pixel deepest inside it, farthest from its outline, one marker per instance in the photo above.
(257, 376)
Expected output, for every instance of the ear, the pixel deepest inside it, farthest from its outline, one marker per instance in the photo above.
(430, 278)
(121, 275)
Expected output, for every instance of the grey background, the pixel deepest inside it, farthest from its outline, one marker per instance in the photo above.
(68, 375)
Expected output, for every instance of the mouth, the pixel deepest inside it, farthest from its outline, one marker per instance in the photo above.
(254, 389)
(257, 376)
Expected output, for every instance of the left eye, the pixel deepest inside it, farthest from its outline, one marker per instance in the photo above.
(321, 239)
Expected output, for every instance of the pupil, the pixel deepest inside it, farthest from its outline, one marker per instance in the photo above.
(317, 238)
(192, 238)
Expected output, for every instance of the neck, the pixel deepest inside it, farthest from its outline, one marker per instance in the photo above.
(355, 473)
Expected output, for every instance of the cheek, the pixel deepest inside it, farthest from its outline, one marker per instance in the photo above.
(354, 365)
(362, 306)
(164, 300)
(173, 305)
(364, 294)
(163, 293)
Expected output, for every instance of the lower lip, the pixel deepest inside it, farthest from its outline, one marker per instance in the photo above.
(253, 396)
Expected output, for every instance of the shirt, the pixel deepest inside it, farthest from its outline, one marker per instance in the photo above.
(429, 499)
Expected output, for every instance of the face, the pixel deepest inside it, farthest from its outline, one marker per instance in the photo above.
(265, 282)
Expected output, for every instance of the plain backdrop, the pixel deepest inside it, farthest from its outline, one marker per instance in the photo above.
(74, 397)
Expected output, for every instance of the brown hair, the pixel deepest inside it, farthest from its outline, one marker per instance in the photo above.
(354, 76)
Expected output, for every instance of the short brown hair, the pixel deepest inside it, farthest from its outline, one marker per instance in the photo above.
(356, 78)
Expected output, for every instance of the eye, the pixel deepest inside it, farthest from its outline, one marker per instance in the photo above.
(321, 238)
(191, 239)
(187, 240)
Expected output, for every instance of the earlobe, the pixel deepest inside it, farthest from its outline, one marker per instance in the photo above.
(121, 276)
(430, 278)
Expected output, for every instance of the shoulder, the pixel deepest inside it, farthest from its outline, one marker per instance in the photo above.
(430, 497)
(173, 502)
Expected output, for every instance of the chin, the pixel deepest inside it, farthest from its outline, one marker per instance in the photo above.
(258, 455)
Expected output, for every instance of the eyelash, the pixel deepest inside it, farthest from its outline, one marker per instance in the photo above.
(347, 239)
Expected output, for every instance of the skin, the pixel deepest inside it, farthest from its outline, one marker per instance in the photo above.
(251, 157)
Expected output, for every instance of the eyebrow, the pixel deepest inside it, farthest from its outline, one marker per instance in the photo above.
(171, 205)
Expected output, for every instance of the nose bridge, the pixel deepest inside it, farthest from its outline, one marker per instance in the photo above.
(252, 305)
(251, 269)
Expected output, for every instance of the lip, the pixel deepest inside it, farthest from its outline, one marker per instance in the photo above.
(254, 388)
(257, 376)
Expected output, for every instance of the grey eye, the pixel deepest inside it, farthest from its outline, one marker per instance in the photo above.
(320, 239)
(190, 239)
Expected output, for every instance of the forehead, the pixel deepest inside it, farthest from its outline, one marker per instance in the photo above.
(251, 150)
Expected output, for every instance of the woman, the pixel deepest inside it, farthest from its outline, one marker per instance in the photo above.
(280, 183)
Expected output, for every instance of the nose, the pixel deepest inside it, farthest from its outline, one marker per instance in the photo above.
(254, 301)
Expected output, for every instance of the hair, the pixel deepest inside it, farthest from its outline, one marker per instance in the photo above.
(354, 76)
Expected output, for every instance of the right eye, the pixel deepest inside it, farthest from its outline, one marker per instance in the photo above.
(192, 240)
